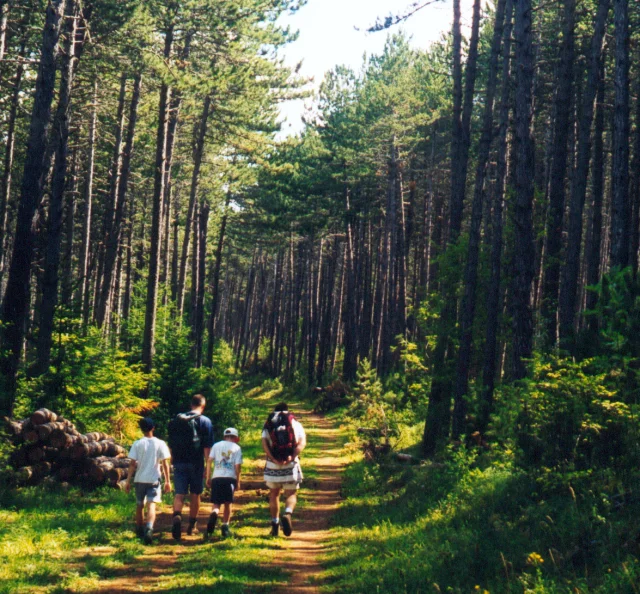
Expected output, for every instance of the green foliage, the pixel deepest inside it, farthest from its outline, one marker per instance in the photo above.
(568, 416)
(92, 383)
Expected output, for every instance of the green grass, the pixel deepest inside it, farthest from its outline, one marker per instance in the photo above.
(469, 526)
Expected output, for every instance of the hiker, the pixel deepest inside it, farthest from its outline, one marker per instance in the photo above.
(226, 458)
(190, 441)
(148, 456)
(283, 438)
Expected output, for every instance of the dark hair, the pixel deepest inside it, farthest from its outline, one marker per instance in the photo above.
(281, 407)
(198, 400)
(146, 424)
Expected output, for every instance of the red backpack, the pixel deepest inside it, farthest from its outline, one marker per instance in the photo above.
(279, 425)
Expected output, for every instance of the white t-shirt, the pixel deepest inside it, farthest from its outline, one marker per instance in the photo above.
(298, 433)
(225, 455)
(148, 452)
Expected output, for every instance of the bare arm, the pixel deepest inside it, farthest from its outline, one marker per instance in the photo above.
(132, 471)
(238, 471)
(167, 476)
(207, 451)
(207, 472)
(300, 445)
(267, 450)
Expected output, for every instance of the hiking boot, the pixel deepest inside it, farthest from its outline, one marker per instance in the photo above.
(211, 525)
(140, 531)
(192, 529)
(176, 528)
(148, 536)
(226, 533)
(275, 526)
(287, 524)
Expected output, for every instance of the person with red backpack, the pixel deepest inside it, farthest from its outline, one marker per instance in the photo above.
(283, 438)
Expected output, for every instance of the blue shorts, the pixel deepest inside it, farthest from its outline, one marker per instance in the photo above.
(188, 478)
(149, 491)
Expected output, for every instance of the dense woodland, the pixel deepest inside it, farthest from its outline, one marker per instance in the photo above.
(449, 252)
(459, 203)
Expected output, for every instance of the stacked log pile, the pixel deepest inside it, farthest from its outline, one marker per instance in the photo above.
(49, 447)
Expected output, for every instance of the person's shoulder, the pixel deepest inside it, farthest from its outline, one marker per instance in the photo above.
(205, 420)
(159, 442)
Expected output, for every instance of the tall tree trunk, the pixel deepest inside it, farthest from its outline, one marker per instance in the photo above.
(202, 248)
(555, 215)
(113, 239)
(620, 224)
(215, 285)
(523, 201)
(597, 191)
(4, 17)
(473, 251)
(83, 293)
(70, 225)
(198, 154)
(569, 285)
(635, 191)
(15, 306)
(494, 293)
(5, 187)
(438, 415)
(60, 140)
(149, 336)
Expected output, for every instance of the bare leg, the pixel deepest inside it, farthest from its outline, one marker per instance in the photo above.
(291, 498)
(178, 503)
(226, 513)
(274, 502)
(194, 506)
(139, 516)
(151, 513)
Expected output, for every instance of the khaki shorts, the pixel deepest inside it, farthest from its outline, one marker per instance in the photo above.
(285, 486)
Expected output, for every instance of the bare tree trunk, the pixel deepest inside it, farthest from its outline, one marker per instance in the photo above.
(202, 248)
(569, 285)
(473, 251)
(620, 223)
(198, 154)
(555, 215)
(113, 239)
(83, 294)
(149, 337)
(15, 306)
(524, 190)
(60, 142)
(215, 287)
(5, 188)
(494, 294)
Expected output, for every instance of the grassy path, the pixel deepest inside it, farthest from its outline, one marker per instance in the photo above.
(54, 542)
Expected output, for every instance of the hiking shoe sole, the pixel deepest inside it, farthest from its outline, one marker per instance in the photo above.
(148, 536)
(211, 525)
(287, 525)
(176, 529)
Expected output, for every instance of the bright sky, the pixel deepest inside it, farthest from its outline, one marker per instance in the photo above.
(328, 37)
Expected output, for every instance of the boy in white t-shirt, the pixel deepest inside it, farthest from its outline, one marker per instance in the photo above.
(149, 456)
(226, 459)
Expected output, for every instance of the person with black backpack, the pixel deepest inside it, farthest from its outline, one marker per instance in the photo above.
(190, 441)
(283, 438)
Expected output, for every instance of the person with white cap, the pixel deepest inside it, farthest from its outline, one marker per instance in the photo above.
(226, 459)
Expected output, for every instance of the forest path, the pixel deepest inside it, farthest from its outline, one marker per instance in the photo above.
(253, 561)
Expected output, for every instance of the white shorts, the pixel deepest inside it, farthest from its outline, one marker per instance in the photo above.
(285, 486)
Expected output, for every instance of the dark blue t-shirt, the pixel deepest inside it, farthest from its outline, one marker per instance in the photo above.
(181, 453)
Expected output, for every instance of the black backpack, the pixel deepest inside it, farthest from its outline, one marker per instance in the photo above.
(184, 434)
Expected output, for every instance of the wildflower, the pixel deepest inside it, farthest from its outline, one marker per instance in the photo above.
(534, 559)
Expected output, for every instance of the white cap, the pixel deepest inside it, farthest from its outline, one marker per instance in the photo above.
(231, 431)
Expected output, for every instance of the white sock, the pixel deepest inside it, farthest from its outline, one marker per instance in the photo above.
(288, 510)
(275, 520)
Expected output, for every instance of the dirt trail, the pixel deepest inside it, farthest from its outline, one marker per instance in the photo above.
(300, 557)
(318, 501)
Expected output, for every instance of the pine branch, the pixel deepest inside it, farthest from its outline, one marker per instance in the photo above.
(395, 19)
